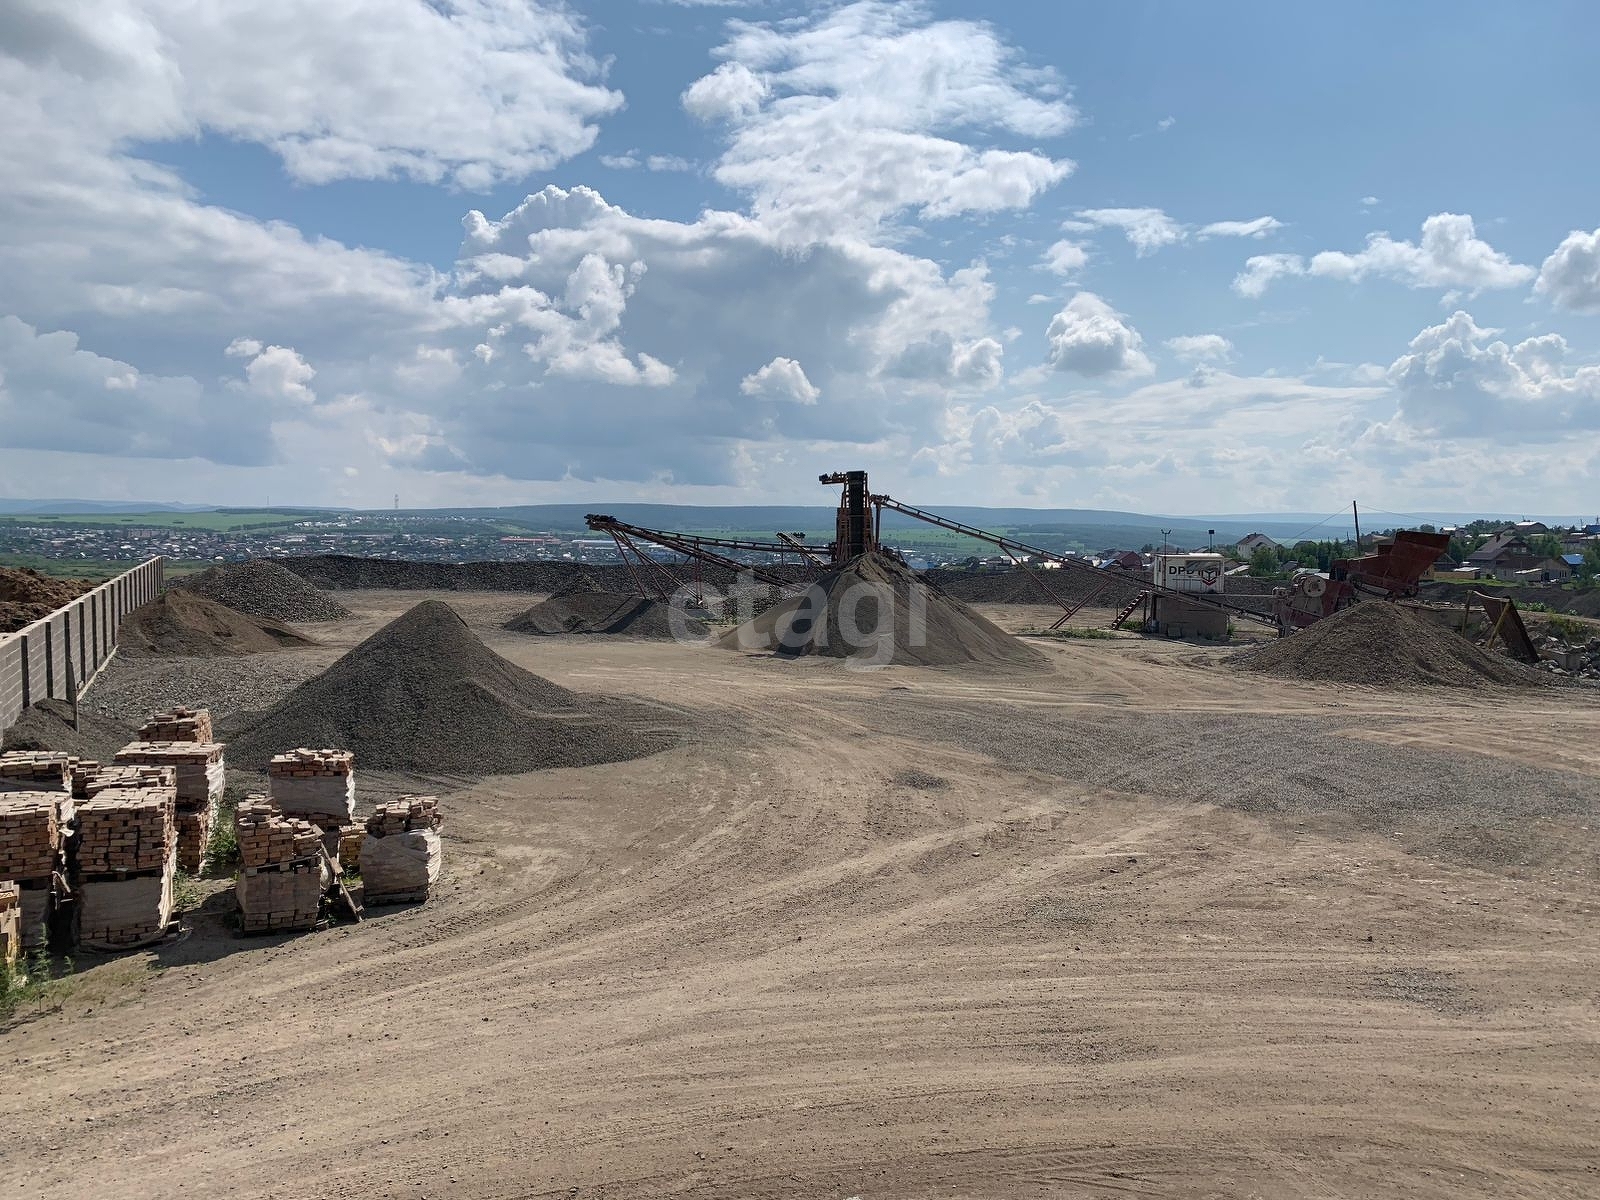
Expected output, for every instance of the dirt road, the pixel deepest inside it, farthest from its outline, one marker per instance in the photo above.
(1129, 925)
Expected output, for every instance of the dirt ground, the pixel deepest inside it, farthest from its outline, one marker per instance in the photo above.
(1127, 925)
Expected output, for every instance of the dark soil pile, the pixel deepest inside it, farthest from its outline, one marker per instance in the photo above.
(48, 726)
(26, 596)
(264, 588)
(424, 695)
(614, 613)
(875, 611)
(340, 571)
(1381, 644)
(180, 622)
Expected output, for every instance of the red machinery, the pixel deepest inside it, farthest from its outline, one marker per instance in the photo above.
(1392, 572)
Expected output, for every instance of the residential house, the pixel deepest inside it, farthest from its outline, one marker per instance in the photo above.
(1508, 558)
(1123, 560)
(1252, 542)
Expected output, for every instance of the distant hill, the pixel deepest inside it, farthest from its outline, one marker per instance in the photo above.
(65, 507)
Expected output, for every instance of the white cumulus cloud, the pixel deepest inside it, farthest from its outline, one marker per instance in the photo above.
(1201, 347)
(1149, 229)
(1258, 228)
(1089, 337)
(1449, 255)
(780, 379)
(1065, 258)
(1260, 272)
(1571, 275)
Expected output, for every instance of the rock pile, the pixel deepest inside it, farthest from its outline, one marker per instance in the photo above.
(265, 588)
(178, 725)
(613, 613)
(424, 695)
(401, 854)
(182, 623)
(199, 775)
(1563, 659)
(874, 611)
(1381, 644)
(35, 771)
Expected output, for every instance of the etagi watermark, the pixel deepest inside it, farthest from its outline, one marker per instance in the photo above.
(860, 621)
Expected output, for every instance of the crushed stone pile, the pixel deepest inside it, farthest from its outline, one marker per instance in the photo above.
(265, 588)
(179, 622)
(873, 610)
(618, 614)
(339, 572)
(424, 695)
(1380, 644)
(26, 596)
(48, 726)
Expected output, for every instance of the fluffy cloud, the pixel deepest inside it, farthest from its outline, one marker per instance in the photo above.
(1065, 258)
(780, 379)
(1459, 379)
(843, 122)
(1091, 338)
(1201, 347)
(1449, 255)
(1571, 275)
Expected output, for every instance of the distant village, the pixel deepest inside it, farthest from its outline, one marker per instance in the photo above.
(1521, 552)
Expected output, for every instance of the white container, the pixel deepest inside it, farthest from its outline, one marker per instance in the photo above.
(1190, 572)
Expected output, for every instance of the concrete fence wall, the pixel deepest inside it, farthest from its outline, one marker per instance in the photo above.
(69, 646)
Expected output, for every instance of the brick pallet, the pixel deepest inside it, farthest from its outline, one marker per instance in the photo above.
(125, 910)
(10, 923)
(282, 897)
(179, 725)
(267, 837)
(350, 838)
(35, 771)
(315, 785)
(126, 830)
(30, 834)
(199, 774)
(401, 853)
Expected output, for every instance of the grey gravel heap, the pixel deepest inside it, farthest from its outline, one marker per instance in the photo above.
(264, 588)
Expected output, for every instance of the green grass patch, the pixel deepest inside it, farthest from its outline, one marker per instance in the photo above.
(34, 986)
(1075, 632)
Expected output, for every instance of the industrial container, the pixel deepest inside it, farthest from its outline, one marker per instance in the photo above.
(1189, 572)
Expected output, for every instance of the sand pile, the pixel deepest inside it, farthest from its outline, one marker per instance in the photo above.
(182, 623)
(423, 694)
(873, 610)
(263, 588)
(1381, 644)
(26, 596)
(615, 613)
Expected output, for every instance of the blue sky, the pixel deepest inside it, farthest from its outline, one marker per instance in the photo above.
(1300, 253)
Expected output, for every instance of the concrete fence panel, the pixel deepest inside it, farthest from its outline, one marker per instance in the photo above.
(73, 643)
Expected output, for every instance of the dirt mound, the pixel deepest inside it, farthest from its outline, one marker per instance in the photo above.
(423, 694)
(48, 726)
(180, 622)
(1384, 645)
(873, 611)
(614, 613)
(26, 596)
(264, 588)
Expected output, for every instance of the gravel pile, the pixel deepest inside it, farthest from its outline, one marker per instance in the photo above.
(263, 587)
(875, 610)
(1019, 586)
(608, 613)
(1380, 644)
(48, 726)
(128, 692)
(179, 622)
(26, 596)
(424, 695)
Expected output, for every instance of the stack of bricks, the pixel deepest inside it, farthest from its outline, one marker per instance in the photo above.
(350, 838)
(30, 835)
(401, 854)
(283, 879)
(404, 815)
(35, 771)
(125, 829)
(316, 785)
(199, 777)
(90, 778)
(267, 837)
(179, 725)
(10, 924)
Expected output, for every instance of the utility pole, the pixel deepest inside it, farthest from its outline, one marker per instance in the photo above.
(1357, 515)
(1164, 535)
